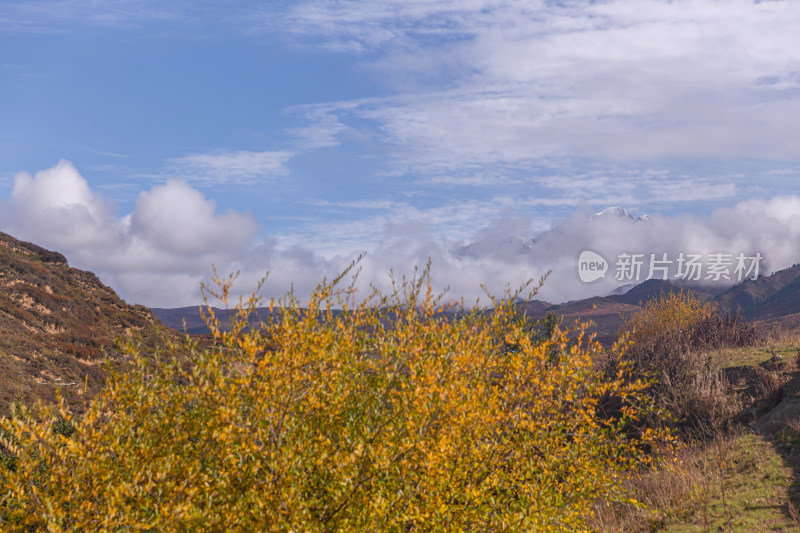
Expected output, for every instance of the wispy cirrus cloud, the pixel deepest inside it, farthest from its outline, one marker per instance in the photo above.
(494, 87)
(47, 16)
(324, 126)
(239, 167)
(355, 25)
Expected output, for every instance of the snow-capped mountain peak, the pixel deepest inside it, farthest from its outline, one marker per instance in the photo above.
(619, 212)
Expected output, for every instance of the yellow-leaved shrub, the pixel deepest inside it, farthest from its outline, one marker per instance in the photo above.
(673, 337)
(670, 312)
(386, 416)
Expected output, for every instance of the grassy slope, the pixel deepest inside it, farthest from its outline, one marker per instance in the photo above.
(748, 489)
(747, 480)
(755, 476)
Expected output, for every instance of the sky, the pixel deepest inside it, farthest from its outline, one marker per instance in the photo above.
(149, 140)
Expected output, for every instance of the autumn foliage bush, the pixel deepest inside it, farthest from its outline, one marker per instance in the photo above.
(387, 417)
(672, 338)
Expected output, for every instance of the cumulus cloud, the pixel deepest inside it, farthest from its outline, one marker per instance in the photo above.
(58, 204)
(157, 254)
(160, 252)
(178, 219)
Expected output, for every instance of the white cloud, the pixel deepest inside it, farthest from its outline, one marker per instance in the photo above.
(526, 84)
(240, 166)
(157, 254)
(324, 129)
(160, 252)
(58, 204)
(194, 226)
(474, 243)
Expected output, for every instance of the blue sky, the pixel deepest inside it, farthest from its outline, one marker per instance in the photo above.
(147, 140)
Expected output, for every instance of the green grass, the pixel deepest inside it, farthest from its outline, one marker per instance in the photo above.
(750, 489)
(785, 345)
(748, 493)
(751, 356)
(750, 486)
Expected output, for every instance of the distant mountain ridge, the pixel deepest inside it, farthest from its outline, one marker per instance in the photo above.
(190, 320)
(766, 297)
(772, 300)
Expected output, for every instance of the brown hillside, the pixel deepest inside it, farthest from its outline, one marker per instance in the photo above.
(605, 314)
(767, 297)
(653, 288)
(58, 326)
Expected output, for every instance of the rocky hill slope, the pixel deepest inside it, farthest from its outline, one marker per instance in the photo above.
(58, 327)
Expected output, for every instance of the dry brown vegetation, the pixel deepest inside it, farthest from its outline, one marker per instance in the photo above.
(672, 341)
